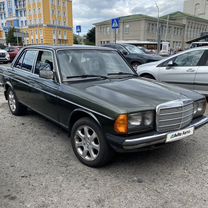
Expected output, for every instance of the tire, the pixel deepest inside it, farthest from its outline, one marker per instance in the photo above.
(89, 144)
(147, 76)
(15, 107)
(135, 65)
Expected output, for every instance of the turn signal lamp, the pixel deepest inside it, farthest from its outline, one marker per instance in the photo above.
(121, 124)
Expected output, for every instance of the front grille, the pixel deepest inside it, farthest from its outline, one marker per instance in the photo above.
(2, 55)
(174, 115)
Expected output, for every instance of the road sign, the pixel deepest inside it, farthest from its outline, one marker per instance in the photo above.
(78, 29)
(115, 23)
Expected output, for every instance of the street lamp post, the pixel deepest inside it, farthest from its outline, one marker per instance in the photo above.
(158, 27)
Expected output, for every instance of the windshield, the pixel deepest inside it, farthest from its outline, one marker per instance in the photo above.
(134, 49)
(75, 63)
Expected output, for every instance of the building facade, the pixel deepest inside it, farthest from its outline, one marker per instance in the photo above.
(198, 8)
(176, 28)
(40, 21)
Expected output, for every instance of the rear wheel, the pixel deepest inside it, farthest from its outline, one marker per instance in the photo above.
(15, 107)
(89, 143)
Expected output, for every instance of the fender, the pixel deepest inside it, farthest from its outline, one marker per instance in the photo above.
(83, 111)
(7, 83)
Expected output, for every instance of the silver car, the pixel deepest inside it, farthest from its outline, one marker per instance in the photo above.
(188, 69)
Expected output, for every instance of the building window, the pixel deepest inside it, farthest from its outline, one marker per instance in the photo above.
(126, 29)
(108, 30)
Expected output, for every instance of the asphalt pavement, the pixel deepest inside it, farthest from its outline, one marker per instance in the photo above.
(39, 170)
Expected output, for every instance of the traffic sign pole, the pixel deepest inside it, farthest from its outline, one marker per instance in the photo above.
(115, 26)
(115, 35)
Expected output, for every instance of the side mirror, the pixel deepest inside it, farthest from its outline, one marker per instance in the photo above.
(46, 71)
(46, 74)
(170, 64)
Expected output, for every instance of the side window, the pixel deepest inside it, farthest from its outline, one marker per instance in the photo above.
(18, 64)
(165, 63)
(120, 48)
(189, 59)
(204, 59)
(44, 58)
(29, 60)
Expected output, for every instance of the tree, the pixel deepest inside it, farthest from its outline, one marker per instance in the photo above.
(76, 41)
(90, 37)
(11, 39)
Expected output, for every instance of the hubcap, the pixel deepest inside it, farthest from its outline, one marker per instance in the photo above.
(87, 143)
(12, 101)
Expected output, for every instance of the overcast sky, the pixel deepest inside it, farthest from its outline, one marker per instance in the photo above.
(87, 12)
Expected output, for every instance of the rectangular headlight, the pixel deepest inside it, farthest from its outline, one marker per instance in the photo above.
(199, 108)
(140, 121)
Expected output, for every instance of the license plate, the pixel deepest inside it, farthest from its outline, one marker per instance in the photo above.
(180, 134)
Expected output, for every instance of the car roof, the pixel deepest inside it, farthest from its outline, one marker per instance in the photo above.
(54, 47)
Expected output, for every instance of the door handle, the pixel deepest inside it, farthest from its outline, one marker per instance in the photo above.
(190, 70)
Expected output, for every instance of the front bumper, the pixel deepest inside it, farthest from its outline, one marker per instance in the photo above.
(4, 59)
(132, 143)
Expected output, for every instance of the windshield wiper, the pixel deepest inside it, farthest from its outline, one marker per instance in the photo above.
(87, 76)
(123, 73)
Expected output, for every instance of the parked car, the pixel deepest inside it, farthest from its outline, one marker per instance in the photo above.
(103, 104)
(13, 51)
(188, 69)
(134, 55)
(4, 56)
(198, 44)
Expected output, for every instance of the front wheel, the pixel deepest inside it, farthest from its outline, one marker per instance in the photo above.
(89, 143)
(15, 107)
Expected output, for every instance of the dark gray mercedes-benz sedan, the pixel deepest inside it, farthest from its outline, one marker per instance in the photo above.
(99, 99)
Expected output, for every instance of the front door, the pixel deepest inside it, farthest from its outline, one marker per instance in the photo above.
(44, 91)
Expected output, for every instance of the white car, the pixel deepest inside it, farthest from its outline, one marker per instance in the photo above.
(188, 69)
(4, 56)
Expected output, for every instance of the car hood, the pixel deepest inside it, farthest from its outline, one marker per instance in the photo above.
(3, 51)
(132, 95)
(148, 66)
(149, 56)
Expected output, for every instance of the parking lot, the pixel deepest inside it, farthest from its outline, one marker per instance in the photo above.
(38, 169)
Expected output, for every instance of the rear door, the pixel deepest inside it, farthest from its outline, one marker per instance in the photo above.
(183, 71)
(201, 80)
(22, 74)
